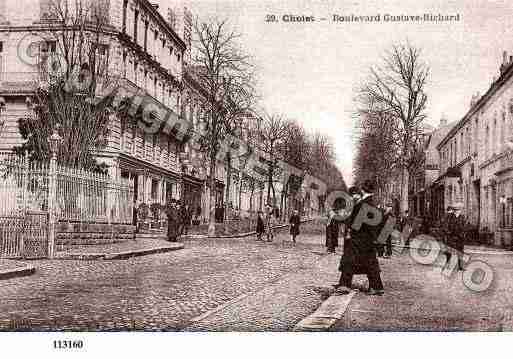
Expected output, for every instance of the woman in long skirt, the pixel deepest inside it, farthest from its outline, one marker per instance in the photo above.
(332, 229)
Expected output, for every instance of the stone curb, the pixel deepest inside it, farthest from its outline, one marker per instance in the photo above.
(327, 315)
(17, 272)
(120, 255)
(467, 251)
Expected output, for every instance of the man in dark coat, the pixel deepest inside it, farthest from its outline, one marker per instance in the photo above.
(173, 221)
(294, 221)
(260, 226)
(455, 231)
(360, 255)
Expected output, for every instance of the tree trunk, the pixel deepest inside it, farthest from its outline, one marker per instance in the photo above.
(212, 195)
(240, 194)
(228, 183)
(404, 190)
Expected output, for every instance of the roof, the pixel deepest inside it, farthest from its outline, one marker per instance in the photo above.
(506, 75)
(439, 134)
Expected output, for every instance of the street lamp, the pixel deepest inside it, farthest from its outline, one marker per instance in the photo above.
(54, 142)
(183, 159)
(2, 108)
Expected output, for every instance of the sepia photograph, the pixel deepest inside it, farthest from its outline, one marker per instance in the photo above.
(315, 170)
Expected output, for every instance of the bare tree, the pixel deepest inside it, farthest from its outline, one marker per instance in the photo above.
(73, 58)
(396, 91)
(228, 76)
(272, 134)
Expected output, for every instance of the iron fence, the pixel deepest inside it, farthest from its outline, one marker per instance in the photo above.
(35, 195)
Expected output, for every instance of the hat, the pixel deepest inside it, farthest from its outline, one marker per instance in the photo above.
(353, 190)
(368, 186)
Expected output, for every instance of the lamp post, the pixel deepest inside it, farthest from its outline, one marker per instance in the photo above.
(2, 108)
(54, 142)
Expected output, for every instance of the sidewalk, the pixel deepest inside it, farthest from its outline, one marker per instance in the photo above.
(10, 269)
(121, 250)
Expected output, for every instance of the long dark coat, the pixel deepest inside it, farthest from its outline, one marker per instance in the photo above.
(359, 255)
(260, 227)
(332, 230)
(294, 224)
(455, 231)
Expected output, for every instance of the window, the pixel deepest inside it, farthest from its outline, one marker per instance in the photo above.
(124, 64)
(136, 19)
(476, 135)
(487, 142)
(103, 52)
(154, 190)
(135, 73)
(1, 60)
(45, 10)
(125, 7)
(503, 129)
(145, 35)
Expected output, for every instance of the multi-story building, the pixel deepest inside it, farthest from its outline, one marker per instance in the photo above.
(426, 199)
(476, 158)
(151, 55)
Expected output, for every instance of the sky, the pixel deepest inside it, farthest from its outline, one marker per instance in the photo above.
(309, 71)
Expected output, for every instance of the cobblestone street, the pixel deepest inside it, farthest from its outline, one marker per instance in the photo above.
(419, 298)
(167, 291)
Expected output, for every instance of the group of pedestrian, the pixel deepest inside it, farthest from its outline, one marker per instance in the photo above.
(179, 216)
(266, 224)
(360, 246)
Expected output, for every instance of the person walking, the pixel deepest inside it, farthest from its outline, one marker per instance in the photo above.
(455, 234)
(332, 229)
(260, 226)
(173, 225)
(388, 243)
(360, 256)
(294, 221)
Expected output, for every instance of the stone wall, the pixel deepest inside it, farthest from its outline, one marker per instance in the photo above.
(93, 233)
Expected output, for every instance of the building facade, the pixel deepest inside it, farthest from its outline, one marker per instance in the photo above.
(476, 158)
(151, 56)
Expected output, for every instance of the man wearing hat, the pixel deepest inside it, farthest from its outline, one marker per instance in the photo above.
(359, 255)
(456, 232)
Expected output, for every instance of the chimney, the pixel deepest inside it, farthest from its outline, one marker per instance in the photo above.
(443, 121)
(156, 6)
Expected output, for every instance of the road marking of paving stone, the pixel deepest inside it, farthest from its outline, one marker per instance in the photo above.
(331, 311)
(277, 306)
